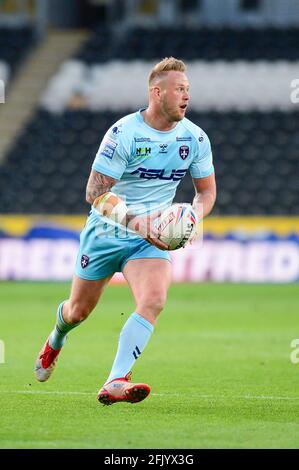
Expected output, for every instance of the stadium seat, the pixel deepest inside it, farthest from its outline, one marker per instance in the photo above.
(53, 157)
(14, 44)
(255, 149)
(204, 44)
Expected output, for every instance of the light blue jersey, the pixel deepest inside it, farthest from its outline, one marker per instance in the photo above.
(149, 164)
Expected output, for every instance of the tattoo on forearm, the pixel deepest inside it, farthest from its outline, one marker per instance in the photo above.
(98, 184)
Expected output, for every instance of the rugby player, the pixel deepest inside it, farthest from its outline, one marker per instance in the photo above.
(139, 164)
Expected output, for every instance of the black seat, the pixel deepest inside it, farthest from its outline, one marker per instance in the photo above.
(255, 158)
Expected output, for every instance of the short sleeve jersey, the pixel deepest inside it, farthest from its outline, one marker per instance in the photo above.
(149, 164)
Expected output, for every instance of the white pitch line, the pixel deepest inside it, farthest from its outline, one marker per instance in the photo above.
(231, 397)
(197, 395)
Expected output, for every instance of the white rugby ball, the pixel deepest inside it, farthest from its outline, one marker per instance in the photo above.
(176, 225)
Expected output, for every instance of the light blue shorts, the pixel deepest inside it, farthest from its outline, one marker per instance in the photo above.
(101, 256)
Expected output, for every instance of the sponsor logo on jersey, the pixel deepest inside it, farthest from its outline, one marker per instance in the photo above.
(142, 139)
(108, 148)
(154, 174)
(117, 129)
(184, 139)
(184, 151)
(143, 151)
(163, 148)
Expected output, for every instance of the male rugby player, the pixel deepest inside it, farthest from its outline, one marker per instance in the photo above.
(139, 164)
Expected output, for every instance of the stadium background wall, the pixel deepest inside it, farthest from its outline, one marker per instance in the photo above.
(63, 93)
(234, 249)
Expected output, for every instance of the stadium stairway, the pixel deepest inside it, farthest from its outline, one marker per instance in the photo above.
(24, 93)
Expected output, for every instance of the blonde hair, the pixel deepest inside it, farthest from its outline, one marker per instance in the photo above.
(166, 65)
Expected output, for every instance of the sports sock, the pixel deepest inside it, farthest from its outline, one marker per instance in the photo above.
(58, 336)
(132, 340)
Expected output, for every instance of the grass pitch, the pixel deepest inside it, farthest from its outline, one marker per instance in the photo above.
(218, 364)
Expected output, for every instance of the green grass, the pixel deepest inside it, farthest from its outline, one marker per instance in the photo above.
(218, 364)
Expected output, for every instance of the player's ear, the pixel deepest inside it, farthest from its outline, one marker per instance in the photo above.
(156, 90)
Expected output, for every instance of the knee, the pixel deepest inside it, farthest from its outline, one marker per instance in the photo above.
(76, 312)
(153, 304)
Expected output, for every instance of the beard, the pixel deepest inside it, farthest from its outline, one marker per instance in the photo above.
(172, 114)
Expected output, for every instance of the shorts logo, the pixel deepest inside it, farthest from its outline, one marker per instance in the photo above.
(84, 261)
(184, 151)
(108, 148)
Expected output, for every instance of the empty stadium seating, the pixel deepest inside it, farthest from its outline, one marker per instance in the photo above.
(255, 151)
(218, 85)
(14, 43)
(255, 155)
(205, 44)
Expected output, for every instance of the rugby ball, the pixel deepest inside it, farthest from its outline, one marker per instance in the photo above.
(176, 225)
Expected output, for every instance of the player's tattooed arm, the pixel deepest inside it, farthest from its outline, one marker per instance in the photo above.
(98, 184)
(112, 206)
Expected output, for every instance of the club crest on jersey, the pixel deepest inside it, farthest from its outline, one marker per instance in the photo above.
(84, 261)
(184, 151)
